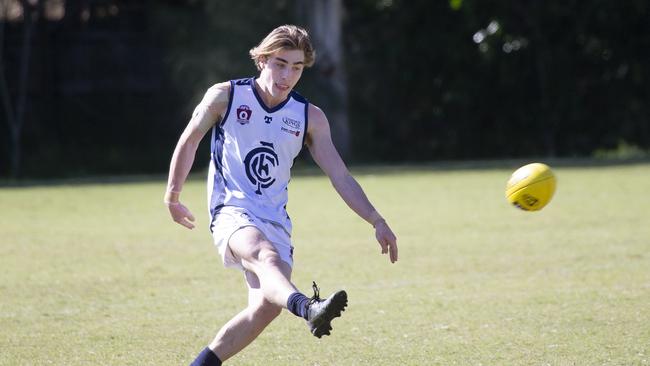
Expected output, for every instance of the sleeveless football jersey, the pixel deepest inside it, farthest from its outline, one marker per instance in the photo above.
(252, 152)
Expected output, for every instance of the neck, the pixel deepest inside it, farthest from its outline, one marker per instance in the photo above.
(263, 90)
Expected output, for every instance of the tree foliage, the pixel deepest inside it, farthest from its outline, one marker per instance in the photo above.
(112, 82)
(477, 79)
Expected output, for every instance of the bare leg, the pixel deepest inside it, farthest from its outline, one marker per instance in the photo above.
(258, 256)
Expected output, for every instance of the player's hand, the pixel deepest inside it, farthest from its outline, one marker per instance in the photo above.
(387, 240)
(181, 214)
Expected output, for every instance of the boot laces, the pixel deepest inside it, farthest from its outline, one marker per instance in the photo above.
(316, 296)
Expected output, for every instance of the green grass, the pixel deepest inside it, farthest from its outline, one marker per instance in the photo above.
(98, 274)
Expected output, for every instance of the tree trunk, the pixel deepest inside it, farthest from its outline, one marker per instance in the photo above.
(325, 20)
(7, 103)
(548, 113)
(15, 120)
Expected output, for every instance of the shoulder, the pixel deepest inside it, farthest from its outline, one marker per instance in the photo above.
(295, 95)
(217, 97)
(316, 115)
(318, 123)
(218, 93)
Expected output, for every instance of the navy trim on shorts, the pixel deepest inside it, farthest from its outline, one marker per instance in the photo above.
(213, 214)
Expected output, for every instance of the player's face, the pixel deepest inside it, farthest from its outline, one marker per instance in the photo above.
(281, 71)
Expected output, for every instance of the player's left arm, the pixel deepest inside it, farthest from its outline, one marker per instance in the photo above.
(319, 142)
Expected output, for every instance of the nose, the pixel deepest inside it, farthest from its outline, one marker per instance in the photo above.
(284, 73)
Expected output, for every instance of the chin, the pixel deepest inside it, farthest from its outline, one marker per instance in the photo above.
(280, 92)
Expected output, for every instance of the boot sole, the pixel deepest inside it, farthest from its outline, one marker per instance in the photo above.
(336, 306)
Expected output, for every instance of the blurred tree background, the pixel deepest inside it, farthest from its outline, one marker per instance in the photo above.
(105, 87)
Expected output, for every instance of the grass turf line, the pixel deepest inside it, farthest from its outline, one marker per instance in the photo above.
(98, 273)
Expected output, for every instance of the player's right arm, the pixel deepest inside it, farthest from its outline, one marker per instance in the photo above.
(206, 114)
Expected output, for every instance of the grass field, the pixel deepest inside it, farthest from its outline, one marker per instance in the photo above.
(97, 274)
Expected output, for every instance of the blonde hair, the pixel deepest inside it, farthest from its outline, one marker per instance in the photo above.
(284, 37)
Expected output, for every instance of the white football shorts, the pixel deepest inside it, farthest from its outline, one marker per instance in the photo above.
(229, 219)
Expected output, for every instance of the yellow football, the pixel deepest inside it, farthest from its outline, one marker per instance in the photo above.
(531, 187)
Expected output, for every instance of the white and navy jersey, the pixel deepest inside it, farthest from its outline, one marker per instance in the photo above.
(253, 149)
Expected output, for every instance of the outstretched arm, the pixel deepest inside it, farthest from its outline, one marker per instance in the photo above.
(206, 114)
(322, 149)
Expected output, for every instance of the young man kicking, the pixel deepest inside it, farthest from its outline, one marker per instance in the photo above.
(259, 125)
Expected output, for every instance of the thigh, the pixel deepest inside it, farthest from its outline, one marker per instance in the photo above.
(253, 282)
(281, 240)
(227, 221)
(247, 242)
(255, 294)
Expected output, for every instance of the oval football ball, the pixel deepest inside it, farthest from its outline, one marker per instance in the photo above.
(531, 187)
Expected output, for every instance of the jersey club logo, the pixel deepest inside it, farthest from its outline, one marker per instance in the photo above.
(244, 114)
(260, 165)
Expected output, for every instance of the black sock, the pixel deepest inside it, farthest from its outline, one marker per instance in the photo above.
(297, 304)
(206, 358)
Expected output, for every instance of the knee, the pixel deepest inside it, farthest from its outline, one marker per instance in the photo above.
(262, 259)
(269, 257)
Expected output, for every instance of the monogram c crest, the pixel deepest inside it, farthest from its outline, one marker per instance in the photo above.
(260, 166)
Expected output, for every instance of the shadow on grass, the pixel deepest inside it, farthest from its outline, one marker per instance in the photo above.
(308, 169)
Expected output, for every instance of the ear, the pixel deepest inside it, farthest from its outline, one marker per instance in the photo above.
(262, 62)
